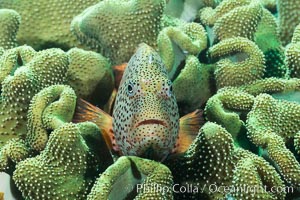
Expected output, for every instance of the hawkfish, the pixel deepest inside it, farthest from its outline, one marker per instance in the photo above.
(145, 119)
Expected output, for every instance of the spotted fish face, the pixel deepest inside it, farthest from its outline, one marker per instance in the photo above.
(145, 116)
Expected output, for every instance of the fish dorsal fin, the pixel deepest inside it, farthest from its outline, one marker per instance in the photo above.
(88, 112)
(189, 126)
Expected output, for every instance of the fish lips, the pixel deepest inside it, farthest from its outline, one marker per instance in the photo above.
(152, 121)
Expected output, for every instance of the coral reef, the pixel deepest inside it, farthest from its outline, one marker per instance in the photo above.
(296, 35)
(24, 72)
(272, 124)
(139, 178)
(46, 24)
(253, 171)
(236, 59)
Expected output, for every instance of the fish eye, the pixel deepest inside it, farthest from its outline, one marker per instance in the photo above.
(130, 89)
(169, 90)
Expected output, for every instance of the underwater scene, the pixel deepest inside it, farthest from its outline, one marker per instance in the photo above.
(149, 99)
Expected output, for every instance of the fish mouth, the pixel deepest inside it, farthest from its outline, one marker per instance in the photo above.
(152, 121)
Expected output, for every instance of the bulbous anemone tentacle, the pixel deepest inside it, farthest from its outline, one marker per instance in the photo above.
(296, 34)
(50, 108)
(40, 70)
(252, 171)
(118, 27)
(190, 38)
(272, 86)
(267, 39)
(297, 142)
(233, 18)
(138, 178)
(293, 59)
(46, 24)
(209, 16)
(229, 99)
(204, 163)
(192, 86)
(90, 75)
(14, 151)
(226, 107)
(14, 58)
(289, 18)
(74, 155)
(292, 54)
(9, 23)
(271, 125)
(240, 22)
(212, 159)
(250, 20)
(229, 73)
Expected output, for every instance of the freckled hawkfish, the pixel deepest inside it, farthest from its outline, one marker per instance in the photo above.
(145, 120)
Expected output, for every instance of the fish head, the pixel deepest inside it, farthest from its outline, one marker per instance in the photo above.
(145, 115)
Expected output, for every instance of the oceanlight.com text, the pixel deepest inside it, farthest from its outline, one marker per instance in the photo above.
(212, 188)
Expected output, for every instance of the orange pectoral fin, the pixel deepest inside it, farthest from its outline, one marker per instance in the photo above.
(189, 128)
(118, 72)
(108, 107)
(88, 112)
